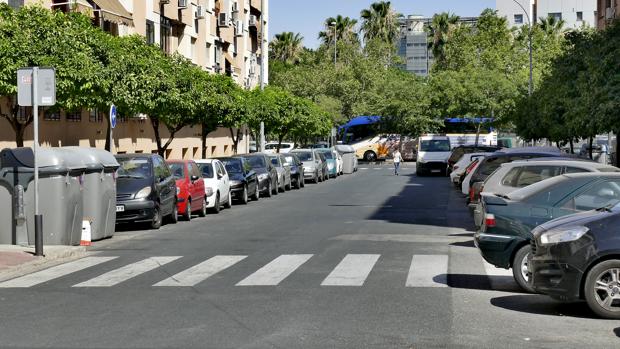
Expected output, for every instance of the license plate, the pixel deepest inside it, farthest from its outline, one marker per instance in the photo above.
(120, 208)
(435, 171)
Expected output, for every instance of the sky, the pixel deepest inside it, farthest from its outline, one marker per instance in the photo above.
(307, 16)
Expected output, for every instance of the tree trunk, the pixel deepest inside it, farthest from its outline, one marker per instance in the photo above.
(617, 158)
(234, 139)
(477, 134)
(280, 138)
(590, 142)
(18, 127)
(108, 144)
(155, 124)
(203, 138)
(572, 147)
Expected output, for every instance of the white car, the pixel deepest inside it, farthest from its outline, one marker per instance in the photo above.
(217, 184)
(460, 166)
(472, 168)
(433, 154)
(285, 147)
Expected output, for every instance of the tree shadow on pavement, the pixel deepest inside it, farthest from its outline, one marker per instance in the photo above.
(543, 305)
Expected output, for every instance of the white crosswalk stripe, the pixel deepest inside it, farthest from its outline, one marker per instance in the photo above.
(275, 271)
(55, 272)
(428, 271)
(352, 270)
(202, 271)
(127, 272)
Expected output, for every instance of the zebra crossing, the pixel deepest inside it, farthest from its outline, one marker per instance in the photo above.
(425, 271)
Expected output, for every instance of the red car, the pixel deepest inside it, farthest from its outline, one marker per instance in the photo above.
(190, 188)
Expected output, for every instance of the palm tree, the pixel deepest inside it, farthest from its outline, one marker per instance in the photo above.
(552, 26)
(380, 21)
(345, 30)
(286, 47)
(439, 30)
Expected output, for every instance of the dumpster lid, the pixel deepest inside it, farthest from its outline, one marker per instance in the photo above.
(344, 148)
(95, 158)
(60, 157)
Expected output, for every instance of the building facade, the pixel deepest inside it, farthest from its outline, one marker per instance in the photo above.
(413, 45)
(221, 36)
(607, 12)
(575, 13)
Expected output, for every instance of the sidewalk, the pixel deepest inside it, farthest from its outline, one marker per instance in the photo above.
(18, 260)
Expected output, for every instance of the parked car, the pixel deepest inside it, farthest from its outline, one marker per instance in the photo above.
(469, 172)
(297, 170)
(283, 170)
(490, 163)
(243, 179)
(313, 166)
(145, 190)
(458, 169)
(504, 236)
(191, 196)
(578, 257)
(266, 172)
(324, 167)
(458, 152)
(331, 157)
(217, 184)
(272, 148)
(433, 154)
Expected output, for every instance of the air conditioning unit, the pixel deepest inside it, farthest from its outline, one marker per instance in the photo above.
(164, 2)
(239, 28)
(182, 3)
(253, 21)
(222, 19)
(610, 13)
(200, 12)
(235, 7)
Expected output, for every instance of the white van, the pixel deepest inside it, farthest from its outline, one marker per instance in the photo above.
(433, 154)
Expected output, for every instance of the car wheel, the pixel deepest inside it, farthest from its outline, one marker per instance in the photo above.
(520, 268)
(602, 289)
(289, 185)
(229, 201)
(370, 156)
(244, 195)
(302, 179)
(188, 210)
(157, 219)
(268, 191)
(275, 190)
(203, 208)
(298, 183)
(256, 195)
(319, 179)
(174, 216)
(216, 206)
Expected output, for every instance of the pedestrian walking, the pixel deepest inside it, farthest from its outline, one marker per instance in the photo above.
(397, 160)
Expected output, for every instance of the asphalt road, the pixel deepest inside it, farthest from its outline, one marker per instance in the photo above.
(369, 260)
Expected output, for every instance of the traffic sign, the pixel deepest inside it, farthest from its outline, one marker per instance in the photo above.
(46, 87)
(113, 116)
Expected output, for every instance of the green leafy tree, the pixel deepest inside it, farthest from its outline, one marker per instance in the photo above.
(286, 47)
(344, 28)
(439, 32)
(380, 21)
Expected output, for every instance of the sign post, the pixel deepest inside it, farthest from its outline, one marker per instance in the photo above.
(112, 126)
(36, 87)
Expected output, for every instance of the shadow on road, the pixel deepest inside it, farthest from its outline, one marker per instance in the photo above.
(469, 243)
(543, 305)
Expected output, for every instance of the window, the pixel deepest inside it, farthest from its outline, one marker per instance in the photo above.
(579, 16)
(556, 15)
(165, 31)
(94, 116)
(519, 19)
(51, 115)
(597, 196)
(150, 32)
(195, 25)
(534, 174)
(193, 51)
(570, 169)
(208, 55)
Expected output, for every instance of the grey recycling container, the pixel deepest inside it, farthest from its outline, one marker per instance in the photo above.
(349, 160)
(6, 211)
(61, 175)
(99, 194)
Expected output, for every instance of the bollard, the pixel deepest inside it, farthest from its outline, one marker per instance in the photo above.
(38, 235)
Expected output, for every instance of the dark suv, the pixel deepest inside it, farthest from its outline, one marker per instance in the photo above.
(266, 172)
(146, 191)
(458, 152)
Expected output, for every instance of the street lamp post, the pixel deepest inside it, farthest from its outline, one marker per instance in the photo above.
(261, 141)
(335, 40)
(529, 35)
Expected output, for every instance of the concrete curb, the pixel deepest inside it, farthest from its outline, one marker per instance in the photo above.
(54, 255)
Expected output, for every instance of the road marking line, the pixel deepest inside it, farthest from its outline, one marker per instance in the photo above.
(428, 271)
(55, 272)
(127, 272)
(202, 271)
(352, 270)
(275, 271)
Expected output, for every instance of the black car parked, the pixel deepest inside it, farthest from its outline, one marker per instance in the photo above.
(266, 172)
(146, 191)
(578, 257)
(243, 179)
(297, 170)
(461, 150)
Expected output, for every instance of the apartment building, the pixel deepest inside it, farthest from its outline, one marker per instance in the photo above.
(607, 12)
(575, 13)
(413, 45)
(221, 36)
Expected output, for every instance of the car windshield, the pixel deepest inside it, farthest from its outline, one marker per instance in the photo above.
(206, 170)
(233, 165)
(177, 169)
(435, 145)
(304, 156)
(328, 155)
(290, 160)
(134, 168)
(274, 161)
(256, 161)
